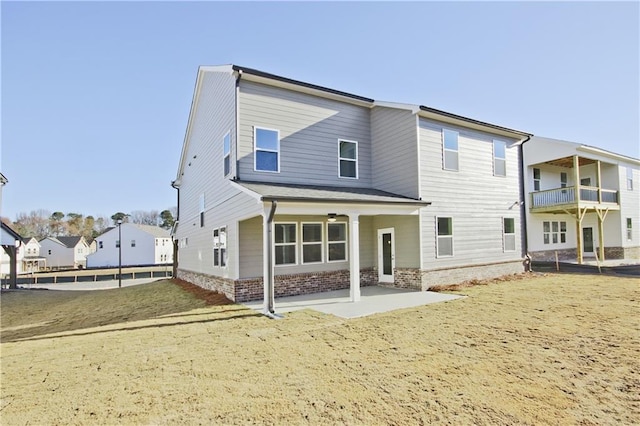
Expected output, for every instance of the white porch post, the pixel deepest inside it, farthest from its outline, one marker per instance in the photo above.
(354, 257)
(267, 265)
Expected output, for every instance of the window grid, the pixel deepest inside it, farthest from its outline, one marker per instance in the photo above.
(629, 229)
(336, 242)
(312, 242)
(226, 144)
(536, 179)
(286, 243)
(509, 234)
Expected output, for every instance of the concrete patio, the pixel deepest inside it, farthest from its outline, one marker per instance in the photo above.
(374, 299)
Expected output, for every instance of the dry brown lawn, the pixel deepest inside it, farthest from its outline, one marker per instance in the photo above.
(557, 349)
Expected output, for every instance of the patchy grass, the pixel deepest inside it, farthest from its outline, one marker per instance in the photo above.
(29, 313)
(557, 349)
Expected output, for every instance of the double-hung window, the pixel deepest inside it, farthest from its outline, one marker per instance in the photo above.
(219, 247)
(337, 242)
(133, 243)
(444, 240)
(554, 232)
(226, 146)
(450, 149)
(629, 178)
(348, 159)
(499, 158)
(311, 242)
(267, 150)
(285, 243)
(509, 234)
(536, 179)
(629, 229)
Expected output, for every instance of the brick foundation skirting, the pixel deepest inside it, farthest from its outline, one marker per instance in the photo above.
(245, 290)
(480, 272)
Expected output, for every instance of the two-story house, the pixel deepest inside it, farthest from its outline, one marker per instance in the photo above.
(141, 245)
(32, 261)
(286, 187)
(64, 252)
(581, 201)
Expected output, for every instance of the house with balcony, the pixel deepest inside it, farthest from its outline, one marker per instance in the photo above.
(581, 202)
(286, 187)
(32, 261)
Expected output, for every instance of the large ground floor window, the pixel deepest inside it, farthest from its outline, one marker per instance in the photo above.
(309, 242)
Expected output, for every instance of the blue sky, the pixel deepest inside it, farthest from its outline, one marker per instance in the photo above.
(96, 95)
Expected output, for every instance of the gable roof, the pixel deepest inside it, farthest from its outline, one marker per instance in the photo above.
(319, 194)
(156, 231)
(590, 149)
(8, 230)
(69, 242)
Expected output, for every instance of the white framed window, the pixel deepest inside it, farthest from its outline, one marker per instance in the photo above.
(563, 180)
(312, 243)
(499, 158)
(266, 155)
(285, 243)
(336, 242)
(509, 234)
(100, 245)
(444, 236)
(219, 247)
(133, 243)
(554, 232)
(201, 206)
(226, 148)
(629, 229)
(450, 149)
(347, 159)
(536, 179)
(629, 178)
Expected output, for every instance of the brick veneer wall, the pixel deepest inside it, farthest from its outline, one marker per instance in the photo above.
(550, 255)
(409, 278)
(466, 273)
(613, 253)
(246, 290)
(632, 253)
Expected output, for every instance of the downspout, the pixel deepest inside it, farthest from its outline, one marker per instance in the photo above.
(269, 302)
(173, 240)
(523, 207)
(237, 126)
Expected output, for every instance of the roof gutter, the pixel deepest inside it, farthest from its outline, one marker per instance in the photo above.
(268, 198)
(523, 206)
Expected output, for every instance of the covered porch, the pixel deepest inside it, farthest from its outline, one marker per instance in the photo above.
(588, 186)
(315, 234)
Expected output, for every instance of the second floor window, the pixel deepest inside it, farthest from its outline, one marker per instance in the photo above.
(348, 159)
(133, 243)
(629, 178)
(267, 150)
(499, 158)
(536, 179)
(449, 150)
(227, 153)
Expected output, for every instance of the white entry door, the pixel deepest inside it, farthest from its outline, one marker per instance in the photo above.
(386, 255)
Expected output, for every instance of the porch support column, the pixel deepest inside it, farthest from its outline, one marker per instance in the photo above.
(576, 177)
(267, 260)
(599, 179)
(354, 257)
(601, 217)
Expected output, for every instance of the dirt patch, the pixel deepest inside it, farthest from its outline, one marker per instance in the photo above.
(556, 349)
(475, 282)
(210, 297)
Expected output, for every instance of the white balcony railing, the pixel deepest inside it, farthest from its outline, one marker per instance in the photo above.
(559, 196)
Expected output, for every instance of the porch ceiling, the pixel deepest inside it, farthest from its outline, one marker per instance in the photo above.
(568, 162)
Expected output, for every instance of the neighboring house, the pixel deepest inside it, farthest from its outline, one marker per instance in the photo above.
(64, 252)
(581, 201)
(32, 261)
(141, 245)
(304, 188)
(93, 245)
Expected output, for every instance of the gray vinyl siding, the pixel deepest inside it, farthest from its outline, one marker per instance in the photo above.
(250, 242)
(213, 116)
(473, 197)
(395, 150)
(309, 131)
(407, 238)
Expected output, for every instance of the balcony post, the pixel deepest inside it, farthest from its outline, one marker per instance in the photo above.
(599, 179)
(576, 177)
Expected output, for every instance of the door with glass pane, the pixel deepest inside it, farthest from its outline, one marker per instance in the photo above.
(587, 240)
(386, 255)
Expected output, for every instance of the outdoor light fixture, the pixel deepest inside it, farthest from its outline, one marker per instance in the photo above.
(332, 217)
(119, 253)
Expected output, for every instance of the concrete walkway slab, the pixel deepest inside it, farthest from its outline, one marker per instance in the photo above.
(374, 299)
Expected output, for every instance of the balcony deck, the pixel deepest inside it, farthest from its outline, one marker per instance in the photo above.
(570, 199)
